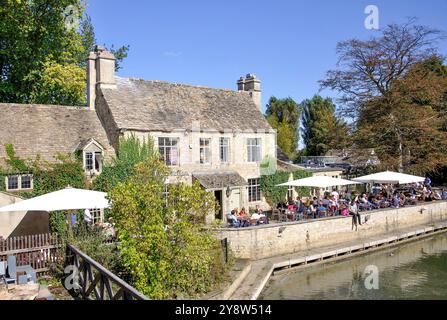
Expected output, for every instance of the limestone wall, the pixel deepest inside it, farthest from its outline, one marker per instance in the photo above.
(278, 239)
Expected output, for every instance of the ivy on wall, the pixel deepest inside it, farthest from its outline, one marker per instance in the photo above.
(66, 170)
(274, 194)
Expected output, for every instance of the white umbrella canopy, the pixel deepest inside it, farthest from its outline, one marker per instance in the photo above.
(66, 199)
(390, 177)
(318, 182)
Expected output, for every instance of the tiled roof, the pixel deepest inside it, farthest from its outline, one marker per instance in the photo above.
(219, 180)
(48, 129)
(160, 106)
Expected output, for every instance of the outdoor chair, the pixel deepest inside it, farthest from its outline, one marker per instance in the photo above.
(276, 214)
(13, 270)
(3, 276)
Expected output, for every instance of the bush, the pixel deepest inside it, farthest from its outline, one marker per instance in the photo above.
(164, 248)
(274, 194)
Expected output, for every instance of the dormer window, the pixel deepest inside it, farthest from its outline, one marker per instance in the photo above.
(92, 155)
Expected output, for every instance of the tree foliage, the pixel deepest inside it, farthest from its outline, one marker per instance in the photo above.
(164, 247)
(274, 194)
(41, 59)
(322, 130)
(394, 87)
(131, 152)
(283, 115)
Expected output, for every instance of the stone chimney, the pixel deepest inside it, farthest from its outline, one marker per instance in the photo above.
(252, 85)
(100, 73)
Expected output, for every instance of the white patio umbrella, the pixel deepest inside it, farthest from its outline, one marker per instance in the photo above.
(390, 177)
(66, 199)
(318, 182)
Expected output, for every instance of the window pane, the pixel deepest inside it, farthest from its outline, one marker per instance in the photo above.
(205, 151)
(168, 150)
(13, 183)
(98, 159)
(224, 150)
(26, 182)
(254, 190)
(89, 161)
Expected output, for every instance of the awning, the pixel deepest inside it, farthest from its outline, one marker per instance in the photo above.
(66, 199)
(318, 182)
(390, 177)
(220, 180)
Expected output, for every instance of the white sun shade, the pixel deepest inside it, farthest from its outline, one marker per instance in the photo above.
(66, 199)
(318, 182)
(390, 177)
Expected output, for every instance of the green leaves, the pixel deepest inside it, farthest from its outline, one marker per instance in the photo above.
(163, 244)
(274, 194)
(283, 115)
(321, 129)
(42, 60)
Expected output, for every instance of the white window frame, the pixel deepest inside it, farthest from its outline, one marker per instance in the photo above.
(207, 151)
(169, 147)
(224, 156)
(95, 159)
(251, 147)
(257, 192)
(19, 182)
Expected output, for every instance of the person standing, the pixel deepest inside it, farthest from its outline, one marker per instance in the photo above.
(354, 211)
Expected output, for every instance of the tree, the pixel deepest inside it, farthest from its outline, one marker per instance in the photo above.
(391, 95)
(163, 245)
(407, 128)
(131, 152)
(42, 58)
(283, 115)
(321, 129)
(367, 69)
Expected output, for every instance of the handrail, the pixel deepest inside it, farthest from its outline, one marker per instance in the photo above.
(126, 291)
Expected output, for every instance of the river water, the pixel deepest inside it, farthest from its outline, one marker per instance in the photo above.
(415, 270)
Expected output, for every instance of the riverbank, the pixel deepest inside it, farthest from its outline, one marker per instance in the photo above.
(261, 242)
(261, 270)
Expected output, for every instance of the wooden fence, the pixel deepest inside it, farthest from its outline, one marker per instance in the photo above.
(39, 251)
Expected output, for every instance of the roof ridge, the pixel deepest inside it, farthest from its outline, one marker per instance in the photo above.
(180, 84)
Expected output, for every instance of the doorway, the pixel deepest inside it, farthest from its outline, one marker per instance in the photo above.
(219, 212)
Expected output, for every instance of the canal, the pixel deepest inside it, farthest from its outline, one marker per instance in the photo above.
(415, 270)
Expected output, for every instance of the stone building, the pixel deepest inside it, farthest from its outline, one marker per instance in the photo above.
(217, 137)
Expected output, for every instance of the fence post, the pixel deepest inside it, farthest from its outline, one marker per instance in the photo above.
(224, 243)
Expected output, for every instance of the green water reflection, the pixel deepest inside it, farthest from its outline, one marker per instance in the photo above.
(416, 270)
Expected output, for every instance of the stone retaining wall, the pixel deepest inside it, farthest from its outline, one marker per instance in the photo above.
(278, 239)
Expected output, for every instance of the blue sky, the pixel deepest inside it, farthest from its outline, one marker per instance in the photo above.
(289, 45)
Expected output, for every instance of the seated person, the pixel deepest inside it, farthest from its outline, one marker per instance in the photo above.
(313, 210)
(232, 219)
(260, 216)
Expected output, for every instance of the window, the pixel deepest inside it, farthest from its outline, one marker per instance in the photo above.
(168, 148)
(254, 190)
(205, 151)
(254, 150)
(93, 161)
(224, 150)
(89, 161)
(96, 215)
(13, 183)
(19, 182)
(25, 182)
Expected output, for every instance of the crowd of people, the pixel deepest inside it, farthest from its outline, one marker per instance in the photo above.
(349, 203)
(243, 218)
(345, 203)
